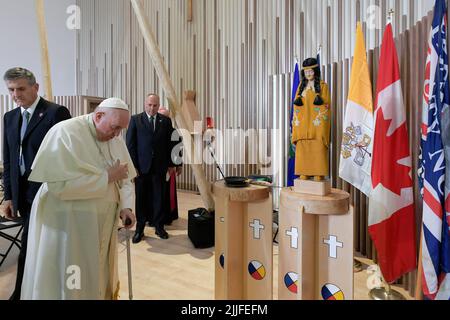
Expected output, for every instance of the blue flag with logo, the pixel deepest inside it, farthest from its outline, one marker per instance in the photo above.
(291, 163)
(436, 221)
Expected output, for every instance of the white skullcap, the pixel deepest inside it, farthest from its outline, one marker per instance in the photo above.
(114, 103)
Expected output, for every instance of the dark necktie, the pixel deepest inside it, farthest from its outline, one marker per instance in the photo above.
(152, 123)
(23, 130)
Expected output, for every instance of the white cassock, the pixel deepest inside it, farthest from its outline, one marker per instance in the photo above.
(72, 239)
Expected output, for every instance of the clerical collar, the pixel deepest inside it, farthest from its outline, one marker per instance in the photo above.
(31, 109)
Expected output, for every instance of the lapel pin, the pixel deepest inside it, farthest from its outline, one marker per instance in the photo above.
(41, 115)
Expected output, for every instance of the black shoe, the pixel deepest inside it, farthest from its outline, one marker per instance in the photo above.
(138, 236)
(14, 297)
(162, 233)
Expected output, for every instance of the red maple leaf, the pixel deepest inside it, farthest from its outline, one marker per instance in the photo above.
(387, 151)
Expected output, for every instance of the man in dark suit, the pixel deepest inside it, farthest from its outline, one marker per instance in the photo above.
(149, 143)
(24, 128)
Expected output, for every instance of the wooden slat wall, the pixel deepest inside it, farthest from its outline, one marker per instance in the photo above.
(6, 104)
(411, 47)
(227, 53)
(238, 55)
(73, 103)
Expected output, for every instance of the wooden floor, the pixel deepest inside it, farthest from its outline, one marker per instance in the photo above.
(170, 269)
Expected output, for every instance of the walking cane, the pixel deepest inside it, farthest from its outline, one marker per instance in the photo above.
(130, 284)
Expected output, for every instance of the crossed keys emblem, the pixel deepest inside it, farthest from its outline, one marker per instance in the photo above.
(354, 139)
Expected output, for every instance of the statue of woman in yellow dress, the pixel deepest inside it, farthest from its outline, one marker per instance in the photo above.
(311, 124)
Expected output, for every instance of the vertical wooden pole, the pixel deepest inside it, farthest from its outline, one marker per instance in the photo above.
(190, 15)
(161, 69)
(45, 61)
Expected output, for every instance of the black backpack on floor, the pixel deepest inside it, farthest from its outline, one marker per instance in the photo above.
(201, 228)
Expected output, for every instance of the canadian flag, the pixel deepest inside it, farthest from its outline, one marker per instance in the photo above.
(391, 207)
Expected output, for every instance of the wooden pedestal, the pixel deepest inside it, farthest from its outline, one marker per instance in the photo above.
(315, 246)
(243, 243)
(321, 188)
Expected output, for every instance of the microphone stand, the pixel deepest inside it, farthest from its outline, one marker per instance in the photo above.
(208, 143)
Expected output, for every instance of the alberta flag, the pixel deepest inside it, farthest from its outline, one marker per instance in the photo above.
(291, 163)
(435, 234)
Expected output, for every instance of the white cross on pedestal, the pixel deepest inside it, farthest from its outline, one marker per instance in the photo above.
(333, 245)
(294, 237)
(257, 227)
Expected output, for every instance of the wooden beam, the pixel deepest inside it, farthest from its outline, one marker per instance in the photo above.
(161, 69)
(190, 16)
(45, 60)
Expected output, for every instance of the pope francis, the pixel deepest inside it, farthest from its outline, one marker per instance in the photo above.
(87, 175)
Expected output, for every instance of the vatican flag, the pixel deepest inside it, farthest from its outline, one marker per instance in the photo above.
(357, 138)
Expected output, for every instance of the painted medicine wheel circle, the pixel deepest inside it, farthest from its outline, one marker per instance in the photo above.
(291, 281)
(332, 292)
(256, 270)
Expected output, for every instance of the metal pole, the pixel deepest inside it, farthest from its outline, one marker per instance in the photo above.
(130, 282)
(130, 279)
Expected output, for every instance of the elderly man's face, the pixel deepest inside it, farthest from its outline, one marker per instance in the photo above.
(110, 124)
(23, 94)
(152, 105)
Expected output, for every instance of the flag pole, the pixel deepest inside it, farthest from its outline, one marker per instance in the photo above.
(418, 292)
(319, 50)
(390, 15)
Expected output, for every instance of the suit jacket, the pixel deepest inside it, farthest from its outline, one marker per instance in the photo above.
(150, 151)
(177, 142)
(44, 117)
